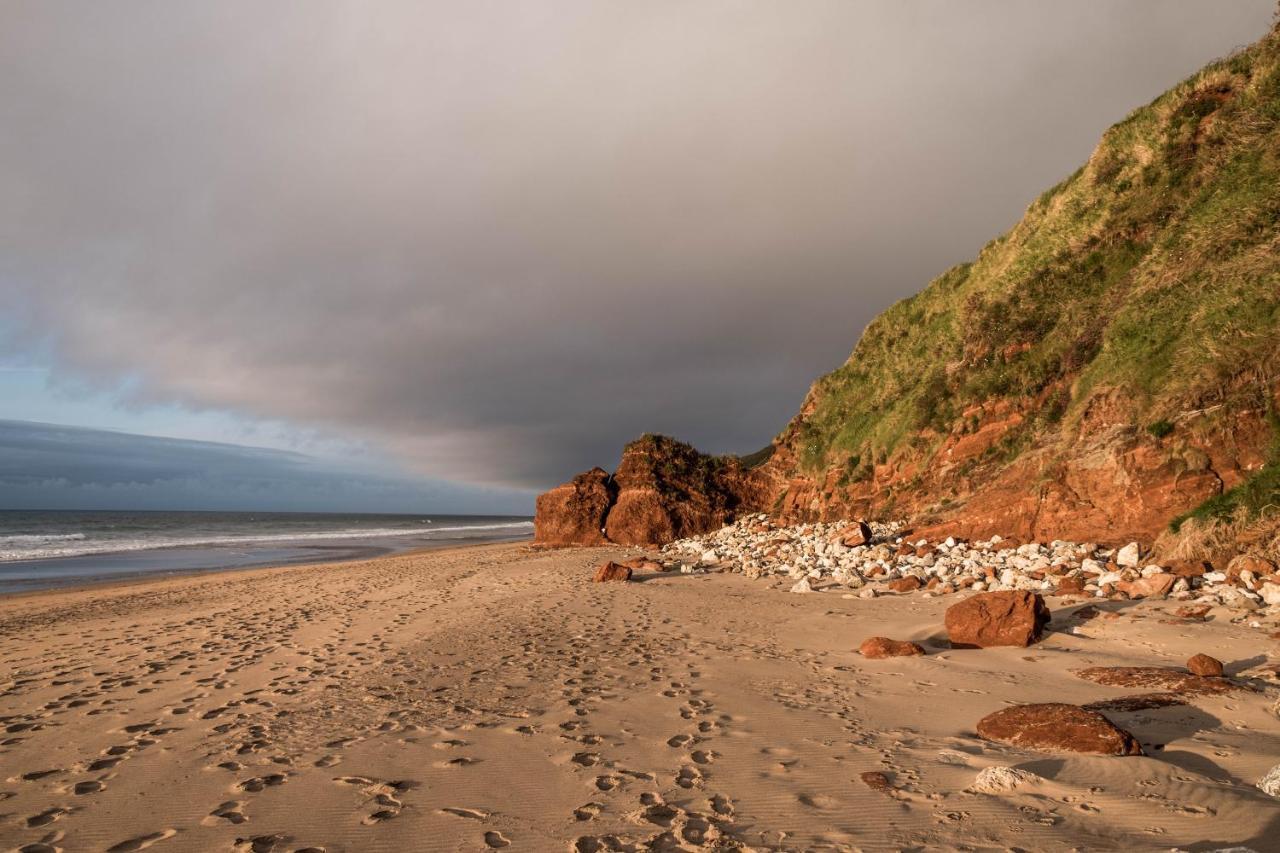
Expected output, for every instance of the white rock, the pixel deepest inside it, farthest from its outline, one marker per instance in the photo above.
(1128, 556)
(1271, 593)
(1270, 784)
(997, 780)
(802, 586)
(867, 592)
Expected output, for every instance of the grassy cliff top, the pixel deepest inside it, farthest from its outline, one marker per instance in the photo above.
(1152, 274)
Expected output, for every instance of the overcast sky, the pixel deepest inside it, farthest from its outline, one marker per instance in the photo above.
(489, 241)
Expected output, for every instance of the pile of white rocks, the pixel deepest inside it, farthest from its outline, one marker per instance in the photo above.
(874, 559)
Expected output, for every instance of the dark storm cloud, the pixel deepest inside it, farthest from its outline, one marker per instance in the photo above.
(60, 467)
(501, 238)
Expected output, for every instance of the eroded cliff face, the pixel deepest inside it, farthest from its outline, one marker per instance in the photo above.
(662, 490)
(1109, 365)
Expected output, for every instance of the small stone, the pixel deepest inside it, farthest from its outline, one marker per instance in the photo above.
(883, 647)
(876, 781)
(802, 586)
(1205, 666)
(997, 780)
(1270, 784)
(910, 583)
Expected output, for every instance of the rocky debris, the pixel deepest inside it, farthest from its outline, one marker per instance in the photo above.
(663, 489)
(892, 560)
(1059, 727)
(1010, 618)
(612, 571)
(883, 647)
(1204, 666)
(1129, 556)
(859, 533)
(1158, 677)
(1270, 784)
(876, 781)
(574, 513)
(998, 780)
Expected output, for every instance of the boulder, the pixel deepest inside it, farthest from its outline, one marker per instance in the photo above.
(802, 586)
(612, 571)
(1250, 563)
(574, 513)
(1012, 618)
(883, 647)
(858, 534)
(1204, 666)
(1058, 727)
(1071, 586)
(1153, 586)
(1129, 556)
(1270, 784)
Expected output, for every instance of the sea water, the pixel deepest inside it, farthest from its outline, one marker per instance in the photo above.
(52, 548)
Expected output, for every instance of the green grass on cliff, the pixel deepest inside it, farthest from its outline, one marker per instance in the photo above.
(1151, 274)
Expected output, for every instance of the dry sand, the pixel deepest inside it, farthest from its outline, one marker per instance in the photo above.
(493, 697)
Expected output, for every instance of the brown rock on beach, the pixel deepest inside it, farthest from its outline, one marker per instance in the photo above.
(1205, 666)
(910, 583)
(612, 571)
(1058, 727)
(858, 534)
(883, 647)
(1012, 618)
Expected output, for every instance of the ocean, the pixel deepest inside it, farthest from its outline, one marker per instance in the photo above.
(44, 549)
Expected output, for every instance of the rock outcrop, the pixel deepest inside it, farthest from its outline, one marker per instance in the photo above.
(1009, 618)
(1079, 380)
(1058, 727)
(662, 490)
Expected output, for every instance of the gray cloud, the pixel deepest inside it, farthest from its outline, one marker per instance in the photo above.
(60, 467)
(499, 239)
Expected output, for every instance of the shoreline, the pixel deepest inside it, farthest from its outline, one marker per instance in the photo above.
(144, 578)
(480, 697)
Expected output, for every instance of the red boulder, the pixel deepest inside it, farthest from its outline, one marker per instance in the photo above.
(1059, 727)
(612, 572)
(1012, 618)
(883, 647)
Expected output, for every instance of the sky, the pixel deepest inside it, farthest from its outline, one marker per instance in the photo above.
(471, 248)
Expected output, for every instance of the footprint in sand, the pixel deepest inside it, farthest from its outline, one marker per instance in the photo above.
(677, 741)
(473, 814)
(47, 816)
(496, 840)
(142, 842)
(229, 811)
(689, 777)
(588, 811)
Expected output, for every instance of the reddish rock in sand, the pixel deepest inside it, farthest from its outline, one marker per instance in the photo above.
(1059, 727)
(910, 583)
(883, 647)
(858, 534)
(612, 572)
(1071, 586)
(876, 781)
(1205, 666)
(574, 513)
(1011, 618)
(1159, 678)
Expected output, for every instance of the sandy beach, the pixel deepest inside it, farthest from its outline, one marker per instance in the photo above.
(493, 697)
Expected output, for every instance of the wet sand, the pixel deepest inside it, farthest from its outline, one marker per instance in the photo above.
(491, 697)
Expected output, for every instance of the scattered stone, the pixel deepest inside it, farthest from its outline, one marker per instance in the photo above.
(1059, 727)
(996, 619)
(910, 583)
(1270, 784)
(802, 586)
(1205, 666)
(876, 781)
(883, 647)
(1128, 556)
(612, 571)
(858, 534)
(998, 780)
